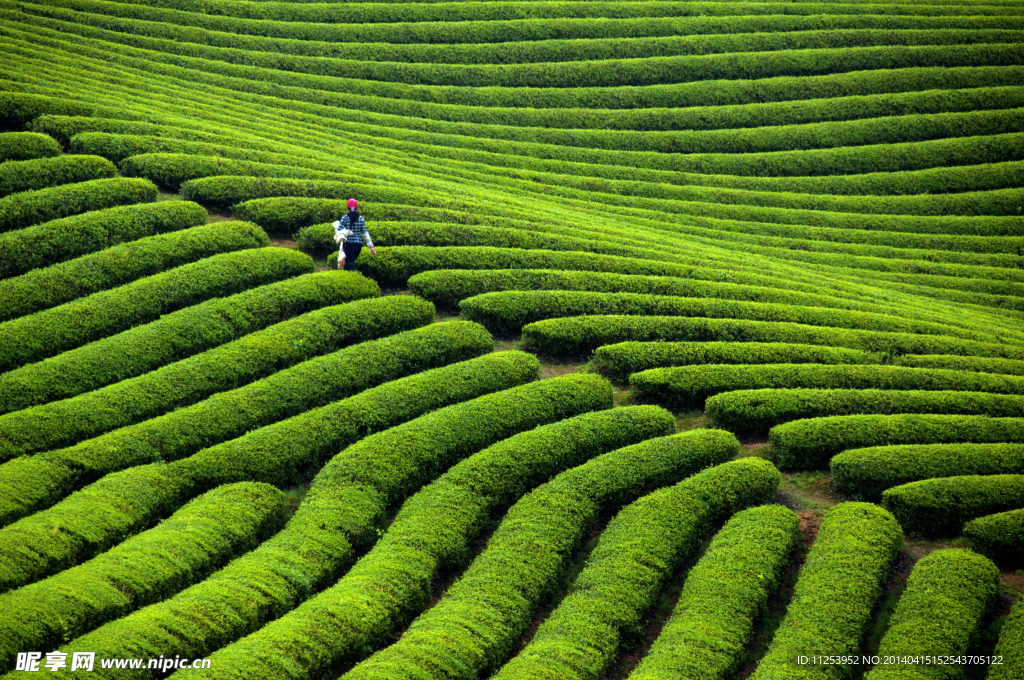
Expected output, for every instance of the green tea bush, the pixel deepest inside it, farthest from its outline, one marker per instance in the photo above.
(835, 592)
(447, 287)
(41, 173)
(125, 502)
(866, 473)
(624, 574)
(28, 208)
(121, 264)
(621, 360)
(1000, 536)
(146, 568)
(688, 387)
(755, 411)
(723, 595)
(960, 363)
(430, 535)
(580, 335)
(173, 337)
(171, 170)
(71, 237)
(942, 506)
(52, 331)
(17, 109)
(809, 444)
(507, 312)
(24, 146)
(940, 614)
(478, 622)
(275, 351)
(1010, 648)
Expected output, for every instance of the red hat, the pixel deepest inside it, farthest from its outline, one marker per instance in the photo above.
(353, 203)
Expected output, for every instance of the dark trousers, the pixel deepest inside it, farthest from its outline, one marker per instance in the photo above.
(352, 251)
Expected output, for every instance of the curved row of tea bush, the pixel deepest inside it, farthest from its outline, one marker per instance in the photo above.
(438, 523)
(723, 595)
(1011, 645)
(635, 556)
(121, 264)
(835, 592)
(621, 360)
(245, 369)
(941, 506)
(171, 170)
(52, 331)
(31, 175)
(505, 312)
(72, 237)
(961, 363)
(404, 459)
(941, 612)
(688, 387)
(224, 415)
(197, 539)
(27, 208)
(809, 444)
(171, 338)
(282, 454)
(581, 335)
(866, 473)
(25, 146)
(478, 622)
(999, 536)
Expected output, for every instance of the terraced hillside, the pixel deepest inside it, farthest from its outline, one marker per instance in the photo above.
(692, 347)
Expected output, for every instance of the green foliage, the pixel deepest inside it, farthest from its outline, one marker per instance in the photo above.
(171, 170)
(621, 360)
(431, 534)
(1010, 646)
(809, 444)
(25, 146)
(225, 368)
(28, 208)
(52, 331)
(756, 411)
(636, 554)
(121, 264)
(172, 337)
(1000, 536)
(580, 335)
(478, 622)
(866, 473)
(958, 363)
(508, 311)
(835, 593)
(30, 175)
(939, 614)
(724, 594)
(941, 507)
(687, 387)
(197, 539)
(17, 109)
(122, 503)
(65, 239)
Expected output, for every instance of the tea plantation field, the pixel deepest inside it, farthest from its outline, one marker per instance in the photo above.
(692, 346)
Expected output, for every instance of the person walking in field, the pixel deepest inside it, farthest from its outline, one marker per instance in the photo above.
(350, 231)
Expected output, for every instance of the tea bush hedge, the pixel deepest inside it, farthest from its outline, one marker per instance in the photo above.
(835, 592)
(940, 613)
(283, 453)
(688, 387)
(960, 363)
(201, 536)
(25, 146)
(52, 331)
(999, 536)
(809, 444)
(756, 411)
(28, 208)
(66, 281)
(31, 175)
(1010, 646)
(635, 556)
(722, 597)
(942, 506)
(866, 473)
(71, 237)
